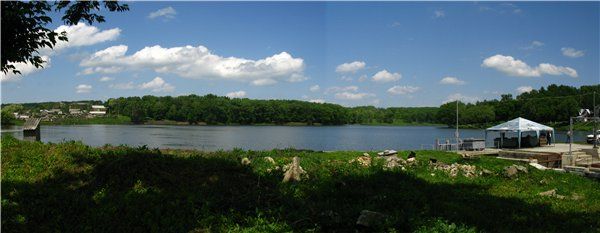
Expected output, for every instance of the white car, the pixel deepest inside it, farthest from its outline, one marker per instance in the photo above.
(590, 138)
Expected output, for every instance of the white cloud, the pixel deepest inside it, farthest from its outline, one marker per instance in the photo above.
(518, 68)
(82, 34)
(167, 12)
(297, 78)
(200, 63)
(523, 89)
(106, 79)
(452, 81)
(462, 98)
(25, 68)
(264, 82)
(122, 86)
(341, 89)
(363, 78)
(351, 67)
(315, 88)
(439, 14)
(346, 78)
(534, 44)
(352, 96)
(83, 88)
(157, 85)
(385, 76)
(318, 101)
(571, 52)
(403, 90)
(236, 94)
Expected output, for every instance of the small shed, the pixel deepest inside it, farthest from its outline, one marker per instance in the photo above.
(519, 126)
(31, 129)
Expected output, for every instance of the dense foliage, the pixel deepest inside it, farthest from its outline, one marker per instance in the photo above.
(70, 187)
(25, 32)
(552, 105)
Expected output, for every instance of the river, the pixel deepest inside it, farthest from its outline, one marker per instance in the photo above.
(211, 138)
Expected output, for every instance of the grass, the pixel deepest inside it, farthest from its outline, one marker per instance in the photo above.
(71, 187)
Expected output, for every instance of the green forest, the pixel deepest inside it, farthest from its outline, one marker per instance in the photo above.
(552, 105)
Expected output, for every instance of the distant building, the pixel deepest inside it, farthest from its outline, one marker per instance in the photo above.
(54, 111)
(75, 111)
(22, 116)
(98, 110)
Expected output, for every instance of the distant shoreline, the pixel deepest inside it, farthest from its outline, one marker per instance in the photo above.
(122, 120)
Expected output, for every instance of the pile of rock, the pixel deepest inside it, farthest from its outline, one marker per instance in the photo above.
(392, 162)
(364, 160)
(454, 169)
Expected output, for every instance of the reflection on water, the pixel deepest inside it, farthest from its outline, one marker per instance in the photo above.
(351, 137)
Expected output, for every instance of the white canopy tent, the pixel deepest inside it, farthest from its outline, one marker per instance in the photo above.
(520, 125)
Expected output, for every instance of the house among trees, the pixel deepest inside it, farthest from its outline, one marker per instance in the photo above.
(75, 111)
(98, 110)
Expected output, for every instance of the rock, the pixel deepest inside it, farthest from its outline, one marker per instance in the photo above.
(369, 218)
(551, 193)
(364, 161)
(487, 172)
(411, 160)
(293, 171)
(270, 160)
(510, 171)
(246, 161)
(538, 166)
(513, 170)
(521, 168)
(366, 154)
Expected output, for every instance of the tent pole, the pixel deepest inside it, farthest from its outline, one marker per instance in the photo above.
(519, 141)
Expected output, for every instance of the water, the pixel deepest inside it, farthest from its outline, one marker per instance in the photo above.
(351, 137)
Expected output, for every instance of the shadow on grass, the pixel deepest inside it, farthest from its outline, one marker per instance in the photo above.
(146, 191)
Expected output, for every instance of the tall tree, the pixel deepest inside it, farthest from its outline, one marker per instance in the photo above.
(25, 32)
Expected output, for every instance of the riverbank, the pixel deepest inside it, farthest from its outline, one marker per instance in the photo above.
(71, 187)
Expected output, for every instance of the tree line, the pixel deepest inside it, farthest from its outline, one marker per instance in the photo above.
(552, 104)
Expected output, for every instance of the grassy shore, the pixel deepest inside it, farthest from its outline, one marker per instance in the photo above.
(71, 187)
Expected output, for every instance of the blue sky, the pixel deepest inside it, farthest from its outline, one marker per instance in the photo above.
(382, 54)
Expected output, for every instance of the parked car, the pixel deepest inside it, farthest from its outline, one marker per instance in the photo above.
(590, 138)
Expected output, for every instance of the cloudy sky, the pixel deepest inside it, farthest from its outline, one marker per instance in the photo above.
(383, 54)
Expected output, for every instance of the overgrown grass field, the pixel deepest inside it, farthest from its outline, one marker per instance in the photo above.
(71, 187)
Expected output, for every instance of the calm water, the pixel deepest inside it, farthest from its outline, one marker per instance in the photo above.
(258, 137)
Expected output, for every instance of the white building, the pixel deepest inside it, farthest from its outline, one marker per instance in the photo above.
(98, 110)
